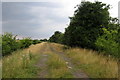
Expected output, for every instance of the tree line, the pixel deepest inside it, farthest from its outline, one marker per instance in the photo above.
(9, 43)
(91, 27)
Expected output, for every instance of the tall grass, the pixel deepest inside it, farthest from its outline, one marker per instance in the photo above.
(96, 66)
(57, 67)
(21, 63)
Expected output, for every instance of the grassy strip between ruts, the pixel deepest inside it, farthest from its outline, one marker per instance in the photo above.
(57, 67)
(92, 63)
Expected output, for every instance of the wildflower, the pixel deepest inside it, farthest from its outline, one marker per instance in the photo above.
(66, 62)
(69, 67)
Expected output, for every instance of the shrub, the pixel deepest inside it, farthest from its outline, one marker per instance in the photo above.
(25, 43)
(108, 42)
(36, 41)
(9, 43)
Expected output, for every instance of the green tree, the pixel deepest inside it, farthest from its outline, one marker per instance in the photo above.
(86, 24)
(43, 40)
(36, 41)
(57, 37)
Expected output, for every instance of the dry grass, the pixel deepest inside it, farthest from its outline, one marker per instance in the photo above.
(20, 63)
(96, 66)
(57, 67)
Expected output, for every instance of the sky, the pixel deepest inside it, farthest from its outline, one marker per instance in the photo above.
(39, 19)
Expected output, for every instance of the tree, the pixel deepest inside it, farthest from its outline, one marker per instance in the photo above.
(57, 37)
(43, 40)
(86, 24)
(36, 41)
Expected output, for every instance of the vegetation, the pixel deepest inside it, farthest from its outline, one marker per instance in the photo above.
(43, 40)
(95, 65)
(91, 34)
(57, 67)
(108, 43)
(91, 27)
(36, 41)
(85, 26)
(21, 63)
(57, 37)
(25, 43)
(9, 44)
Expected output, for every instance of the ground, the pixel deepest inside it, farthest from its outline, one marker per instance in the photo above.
(48, 48)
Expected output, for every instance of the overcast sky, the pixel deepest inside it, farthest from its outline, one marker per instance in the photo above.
(40, 19)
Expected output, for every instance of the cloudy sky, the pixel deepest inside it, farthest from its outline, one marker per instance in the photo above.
(40, 18)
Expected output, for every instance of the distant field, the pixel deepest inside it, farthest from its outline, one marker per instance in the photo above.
(51, 60)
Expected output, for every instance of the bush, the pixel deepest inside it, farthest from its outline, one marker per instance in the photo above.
(9, 44)
(108, 42)
(35, 41)
(25, 43)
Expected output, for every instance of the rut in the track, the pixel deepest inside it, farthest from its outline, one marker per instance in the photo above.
(77, 73)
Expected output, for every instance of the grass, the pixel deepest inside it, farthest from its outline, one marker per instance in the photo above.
(93, 64)
(96, 66)
(57, 67)
(21, 64)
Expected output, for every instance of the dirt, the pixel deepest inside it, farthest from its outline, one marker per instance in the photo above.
(77, 73)
(42, 62)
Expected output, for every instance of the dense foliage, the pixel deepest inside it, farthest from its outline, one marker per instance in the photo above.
(43, 40)
(91, 27)
(9, 43)
(85, 26)
(25, 43)
(36, 41)
(57, 37)
(108, 43)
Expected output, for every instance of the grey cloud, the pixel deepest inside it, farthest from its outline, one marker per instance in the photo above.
(19, 18)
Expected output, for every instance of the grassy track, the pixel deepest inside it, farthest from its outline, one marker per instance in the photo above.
(96, 66)
(49, 60)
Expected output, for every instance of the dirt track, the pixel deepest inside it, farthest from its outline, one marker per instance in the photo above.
(47, 47)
